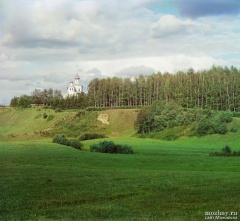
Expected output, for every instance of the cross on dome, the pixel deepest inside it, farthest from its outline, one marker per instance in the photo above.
(77, 77)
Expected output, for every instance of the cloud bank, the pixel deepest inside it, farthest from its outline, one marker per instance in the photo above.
(45, 43)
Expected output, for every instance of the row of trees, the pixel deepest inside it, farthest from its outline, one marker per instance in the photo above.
(50, 98)
(217, 88)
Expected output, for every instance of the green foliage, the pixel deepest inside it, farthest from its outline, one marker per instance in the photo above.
(62, 139)
(91, 136)
(203, 127)
(45, 115)
(226, 151)
(161, 116)
(80, 113)
(111, 147)
(144, 122)
(50, 117)
(76, 144)
(236, 114)
(166, 115)
(215, 89)
(236, 153)
(233, 129)
(14, 102)
(57, 110)
(226, 117)
(211, 126)
(24, 101)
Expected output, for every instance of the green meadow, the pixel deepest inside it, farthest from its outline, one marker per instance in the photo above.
(163, 180)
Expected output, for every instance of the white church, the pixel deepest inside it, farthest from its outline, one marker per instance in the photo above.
(74, 88)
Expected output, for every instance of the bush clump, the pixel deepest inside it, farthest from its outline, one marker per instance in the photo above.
(50, 117)
(233, 129)
(76, 144)
(91, 136)
(226, 151)
(111, 147)
(45, 115)
(62, 139)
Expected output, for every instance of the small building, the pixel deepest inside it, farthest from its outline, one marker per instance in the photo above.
(74, 88)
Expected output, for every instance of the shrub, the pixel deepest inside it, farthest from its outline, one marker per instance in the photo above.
(233, 129)
(50, 117)
(111, 147)
(211, 126)
(203, 127)
(226, 117)
(236, 153)
(91, 136)
(45, 115)
(76, 144)
(236, 114)
(125, 149)
(219, 127)
(226, 149)
(61, 139)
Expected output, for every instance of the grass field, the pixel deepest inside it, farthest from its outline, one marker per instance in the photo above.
(163, 180)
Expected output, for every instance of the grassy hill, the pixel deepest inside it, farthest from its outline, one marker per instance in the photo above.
(17, 122)
(31, 122)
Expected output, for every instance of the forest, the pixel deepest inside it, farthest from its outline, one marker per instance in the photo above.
(216, 88)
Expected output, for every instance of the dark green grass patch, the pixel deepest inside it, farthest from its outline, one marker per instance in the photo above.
(50, 117)
(163, 180)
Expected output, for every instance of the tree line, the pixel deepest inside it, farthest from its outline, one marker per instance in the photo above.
(50, 97)
(217, 88)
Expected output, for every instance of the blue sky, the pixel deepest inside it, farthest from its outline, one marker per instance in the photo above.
(45, 43)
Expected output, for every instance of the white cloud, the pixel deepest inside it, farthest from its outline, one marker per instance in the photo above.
(44, 43)
(169, 25)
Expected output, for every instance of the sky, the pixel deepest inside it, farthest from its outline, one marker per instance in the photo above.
(44, 44)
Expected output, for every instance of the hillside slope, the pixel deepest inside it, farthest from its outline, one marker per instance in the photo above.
(31, 122)
(26, 121)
